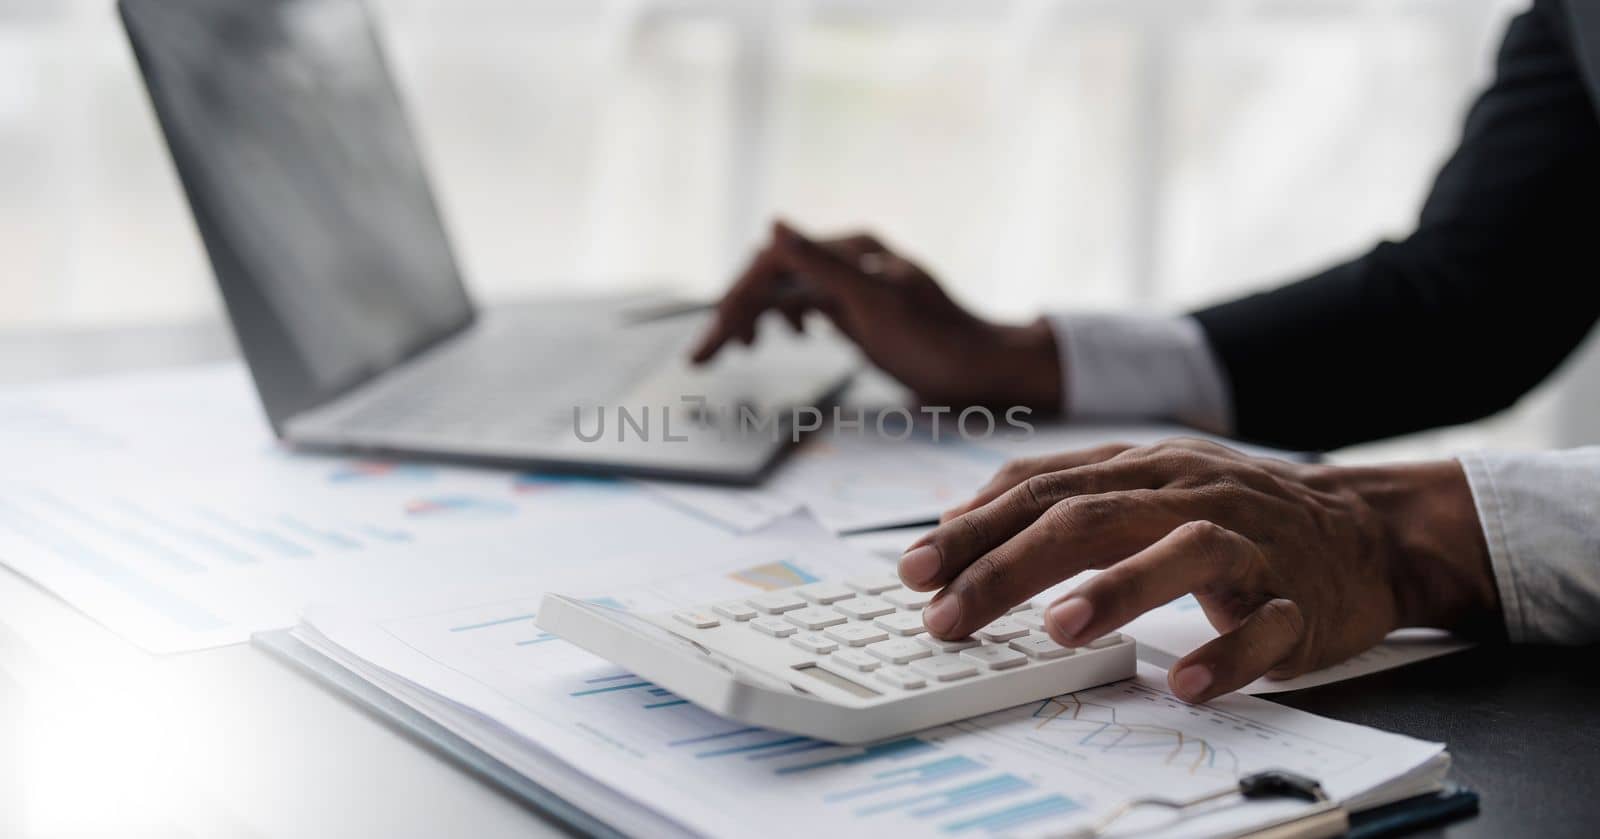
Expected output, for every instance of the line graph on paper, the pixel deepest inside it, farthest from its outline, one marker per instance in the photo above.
(1141, 729)
(1098, 729)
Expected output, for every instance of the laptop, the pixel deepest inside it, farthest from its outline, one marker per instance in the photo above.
(309, 191)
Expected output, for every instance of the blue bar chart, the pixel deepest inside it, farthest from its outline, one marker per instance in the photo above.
(653, 698)
(907, 778)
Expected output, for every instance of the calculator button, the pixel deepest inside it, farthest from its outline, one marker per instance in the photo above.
(1104, 641)
(1020, 607)
(776, 602)
(856, 660)
(899, 650)
(908, 599)
(902, 623)
(776, 627)
(1040, 647)
(815, 617)
(696, 619)
(1032, 620)
(901, 678)
(812, 642)
(1003, 629)
(875, 584)
(865, 608)
(945, 668)
(944, 646)
(734, 610)
(996, 657)
(856, 634)
(825, 593)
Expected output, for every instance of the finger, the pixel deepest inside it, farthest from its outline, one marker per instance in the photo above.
(753, 293)
(794, 311)
(1021, 469)
(1077, 534)
(1269, 636)
(830, 273)
(898, 269)
(857, 248)
(943, 552)
(1195, 556)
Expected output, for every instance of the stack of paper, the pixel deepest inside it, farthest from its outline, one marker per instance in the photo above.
(642, 759)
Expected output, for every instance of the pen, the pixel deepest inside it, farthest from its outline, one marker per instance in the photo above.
(665, 311)
(787, 288)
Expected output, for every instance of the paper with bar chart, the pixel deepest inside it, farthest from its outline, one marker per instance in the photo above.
(485, 670)
(160, 505)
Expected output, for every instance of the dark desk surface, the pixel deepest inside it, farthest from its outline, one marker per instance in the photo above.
(1523, 723)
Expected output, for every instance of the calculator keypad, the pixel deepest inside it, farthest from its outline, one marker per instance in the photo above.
(865, 608)
(996, 657)
(696, 618)
(1003, 629)
(856, 660)
(856, 634)
(952, 645)
(825, 593)
(874, 584)
(900, 650)
(901, 678)
(777, 602)
(1040, 647)
(870, 628)
(813, 642)
(815, 617)
(907, 599)
(945, 668)
(736, 610)
(776, 627)
(902, 623)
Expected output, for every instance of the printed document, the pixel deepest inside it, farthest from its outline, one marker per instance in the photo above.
(161, 506)
(647, 761)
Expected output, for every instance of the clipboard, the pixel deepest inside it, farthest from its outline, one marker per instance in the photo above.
(1399, 818)
(1325, 819)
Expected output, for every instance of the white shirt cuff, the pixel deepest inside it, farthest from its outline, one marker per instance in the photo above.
(1142, 367)
(1538, 515)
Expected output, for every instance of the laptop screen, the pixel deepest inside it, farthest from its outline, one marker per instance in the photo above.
(306, 184)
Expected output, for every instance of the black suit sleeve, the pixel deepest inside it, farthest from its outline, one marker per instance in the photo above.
(1499, 283)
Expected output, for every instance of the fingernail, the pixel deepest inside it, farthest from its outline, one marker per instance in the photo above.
(919, 565)
(1070, 616)
(940, 616)
(1192, 681)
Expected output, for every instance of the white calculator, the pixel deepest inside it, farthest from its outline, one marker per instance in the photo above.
(848, 662)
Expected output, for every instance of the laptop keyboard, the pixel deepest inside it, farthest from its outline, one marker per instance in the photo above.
(499, 386)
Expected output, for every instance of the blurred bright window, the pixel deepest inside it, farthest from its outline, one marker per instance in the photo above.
(1035, 153)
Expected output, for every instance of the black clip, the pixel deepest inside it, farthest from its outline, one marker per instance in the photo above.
(1278, 783)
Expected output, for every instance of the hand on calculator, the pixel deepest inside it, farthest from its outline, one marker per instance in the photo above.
(1299, 566)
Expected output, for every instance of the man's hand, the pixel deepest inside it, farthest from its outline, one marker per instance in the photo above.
(1298, 566)
(899, 316)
